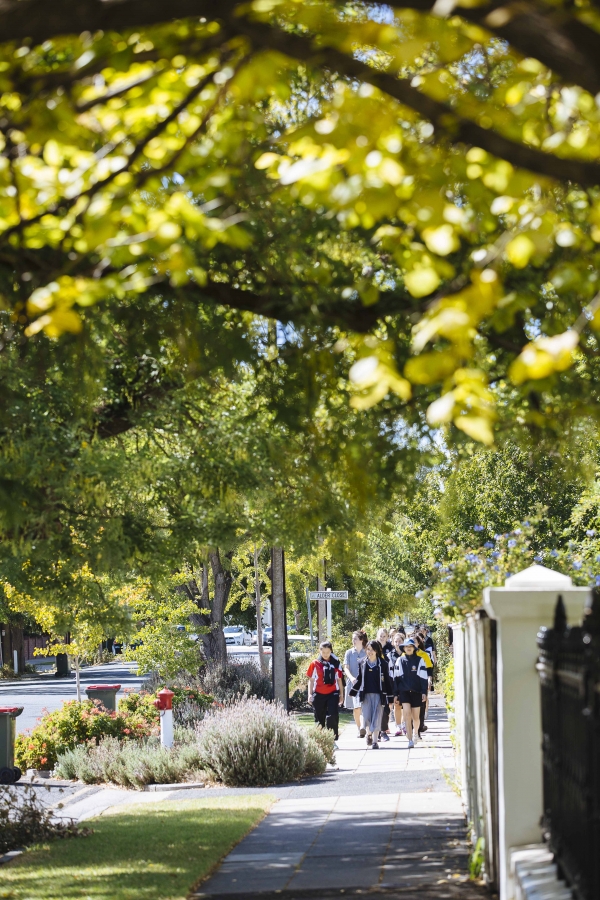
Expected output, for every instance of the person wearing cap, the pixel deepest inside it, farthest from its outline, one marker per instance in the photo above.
(410, 686)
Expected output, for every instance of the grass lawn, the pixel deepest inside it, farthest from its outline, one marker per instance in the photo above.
(308, 719)
(152, 851)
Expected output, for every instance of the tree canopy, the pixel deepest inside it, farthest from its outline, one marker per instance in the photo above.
(263, 264)
(447, 155)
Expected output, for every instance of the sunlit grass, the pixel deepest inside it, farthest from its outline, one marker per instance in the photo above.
(308, 719)
(146, 851)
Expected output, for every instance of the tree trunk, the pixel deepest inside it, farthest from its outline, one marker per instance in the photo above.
(211, 618)
(259, 635)
(211, 614)
(223, 580)
(11, 641)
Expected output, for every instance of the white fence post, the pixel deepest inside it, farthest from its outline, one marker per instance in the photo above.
(521, 607)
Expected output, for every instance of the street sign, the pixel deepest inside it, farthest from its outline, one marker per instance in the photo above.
(328, 595)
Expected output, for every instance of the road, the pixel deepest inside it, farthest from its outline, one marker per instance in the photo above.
(41, 693)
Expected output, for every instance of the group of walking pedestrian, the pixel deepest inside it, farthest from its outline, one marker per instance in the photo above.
(389, 676)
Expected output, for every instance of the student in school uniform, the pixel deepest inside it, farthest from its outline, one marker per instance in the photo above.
(411, 689)
(420, 642)
(352, 658)
(374, 689)
(325, 688)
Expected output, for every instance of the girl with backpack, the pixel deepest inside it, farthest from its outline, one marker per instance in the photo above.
(422, 652)
(374, 688)
(325, 688)
(410, 686)
(393, 658)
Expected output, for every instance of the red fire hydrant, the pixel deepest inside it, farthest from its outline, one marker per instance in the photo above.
(164, 703)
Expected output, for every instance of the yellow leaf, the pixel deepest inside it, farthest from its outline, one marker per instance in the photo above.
(442, 240)
(266, 160)
(520, 250)
(366, 401)
(450, 322)
(430, 367)
(477, 427)
(544, 357)
(441, 410)
(421, 282)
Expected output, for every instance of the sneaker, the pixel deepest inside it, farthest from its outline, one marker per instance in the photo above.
(398, 732)
(375, 746)
(359, 734)
(424, 728)
(369, 740)
(362, 732)
(410, 745)
(419, 738)
(403, 729)
(384, 736)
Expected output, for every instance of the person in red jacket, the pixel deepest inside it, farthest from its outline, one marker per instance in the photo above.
(325, 688)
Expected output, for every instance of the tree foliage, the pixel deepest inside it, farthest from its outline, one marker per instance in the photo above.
(456, 149)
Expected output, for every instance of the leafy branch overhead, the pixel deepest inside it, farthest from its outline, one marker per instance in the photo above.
(443, 160)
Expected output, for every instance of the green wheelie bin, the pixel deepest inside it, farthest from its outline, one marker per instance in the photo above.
(9, 773)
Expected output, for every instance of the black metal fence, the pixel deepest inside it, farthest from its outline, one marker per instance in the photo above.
(569, 667)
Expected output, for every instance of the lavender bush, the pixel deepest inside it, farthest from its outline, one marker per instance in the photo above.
(133, 763)
(252, 742)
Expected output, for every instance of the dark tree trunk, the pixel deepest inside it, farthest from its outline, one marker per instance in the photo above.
(12, 639)
(210, 616)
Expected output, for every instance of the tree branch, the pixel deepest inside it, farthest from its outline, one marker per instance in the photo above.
(41, 21)
(560, 41)
(449, 122)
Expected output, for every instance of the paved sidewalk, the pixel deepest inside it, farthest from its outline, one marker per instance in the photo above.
(361, 840)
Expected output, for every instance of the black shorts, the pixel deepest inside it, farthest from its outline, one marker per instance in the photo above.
(412, 697)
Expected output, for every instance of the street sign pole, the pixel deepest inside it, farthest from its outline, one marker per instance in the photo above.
(310, 627)
(326, 597)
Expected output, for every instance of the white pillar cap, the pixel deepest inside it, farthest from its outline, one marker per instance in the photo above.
(538, 578)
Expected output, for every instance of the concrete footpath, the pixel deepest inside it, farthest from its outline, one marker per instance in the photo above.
(396, 826)
(383, 822)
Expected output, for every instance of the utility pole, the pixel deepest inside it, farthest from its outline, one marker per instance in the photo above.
(278, 609)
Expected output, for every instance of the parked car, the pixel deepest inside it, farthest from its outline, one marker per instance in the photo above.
(255, 635)
(237, 634)
(267, 635)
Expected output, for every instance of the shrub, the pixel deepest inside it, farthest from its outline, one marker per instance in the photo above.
(139, 704)
(25, 820)
(298, 667)
(225, 681)
(324, 740)
(131, 763)
(190, 701)
(252, 742)
(299, 701)
(78, 723)
(314, 760)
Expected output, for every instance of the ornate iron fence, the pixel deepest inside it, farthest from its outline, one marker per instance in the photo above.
(569, 668)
